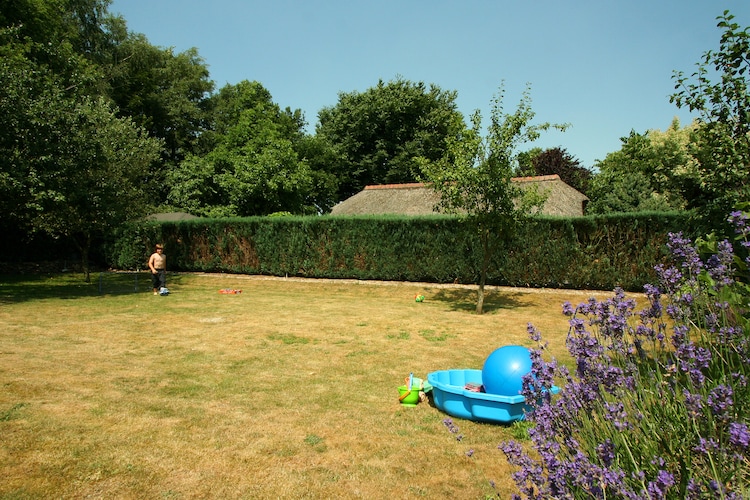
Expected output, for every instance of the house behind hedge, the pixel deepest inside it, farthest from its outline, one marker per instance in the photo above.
(419, 199)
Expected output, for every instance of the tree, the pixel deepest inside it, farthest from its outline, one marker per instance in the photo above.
(474, 178)
(100, 167)
(68, 166)
(319, 155)
(525, 166)
(252, 167)
(652, 171)
(721, 145)
(377, 134)
(163, 92)
(558, 161)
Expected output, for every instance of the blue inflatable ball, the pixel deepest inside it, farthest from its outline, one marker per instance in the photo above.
(504, 369)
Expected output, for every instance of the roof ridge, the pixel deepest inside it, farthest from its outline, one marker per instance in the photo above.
(415, 185)
(550, 177)
(410, 185)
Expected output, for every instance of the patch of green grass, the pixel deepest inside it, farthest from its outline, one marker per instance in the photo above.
(401, 335)
(288, 338)
(361, 352)
(520, 430)
(12, 412)
(433, 336)
(316, 442)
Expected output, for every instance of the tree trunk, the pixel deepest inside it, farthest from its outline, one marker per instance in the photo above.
(86, 266)
(485, 237)
(480, 298)
(84, 246)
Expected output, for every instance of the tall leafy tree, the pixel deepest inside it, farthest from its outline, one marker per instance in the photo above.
(59, 36)
(252, 167)
(69, 166)
(718, 92)
(559, 161)
(100, 165)
(377, 134)
(319, 155)
(525, 167)
(474, 178)
(652, 171)
(164, 92)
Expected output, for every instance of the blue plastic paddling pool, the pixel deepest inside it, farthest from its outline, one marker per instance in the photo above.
(451, 396)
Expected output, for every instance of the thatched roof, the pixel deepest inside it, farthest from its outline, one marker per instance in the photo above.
(420, 199)
(562, 199)
(171, 216)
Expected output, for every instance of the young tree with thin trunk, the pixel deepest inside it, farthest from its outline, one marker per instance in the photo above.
(474, 178)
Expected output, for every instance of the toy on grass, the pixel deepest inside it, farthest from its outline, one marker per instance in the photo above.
(419, 298)
(163, 291)
(229, 291)
(413, 391)
(504, 369)
(408, 397)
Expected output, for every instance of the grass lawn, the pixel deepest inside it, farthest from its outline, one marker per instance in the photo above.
(287, 390)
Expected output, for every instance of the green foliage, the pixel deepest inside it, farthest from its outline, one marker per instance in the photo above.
(652, 171)
(253, 167)
(718, 91)
(377, 134)
(525, 167)
(558, 161)
(474, 178)
(108, 157)
(163, 92)
(584, 253)
(68, 166)
(131, 243)
(657, 405)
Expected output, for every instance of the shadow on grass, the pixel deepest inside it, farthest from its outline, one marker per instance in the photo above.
(466, 299)
(23, 288)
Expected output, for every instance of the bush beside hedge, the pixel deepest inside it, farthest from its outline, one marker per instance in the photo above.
(585, 253)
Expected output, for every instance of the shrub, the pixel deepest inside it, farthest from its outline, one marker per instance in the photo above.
(584, 252)
(658, 402)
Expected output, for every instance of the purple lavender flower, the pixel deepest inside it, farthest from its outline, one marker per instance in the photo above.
(634, 392)
(719, 265)
(739, 221)
(683, 250)
(694, 489)
(617, 415)
(706, 446)
(669, 277)
(534, 334)
(693, 403)
(452, 428)
(720, 401)
(739, 435)
(659, 487)
(606, 452)
(568, 309)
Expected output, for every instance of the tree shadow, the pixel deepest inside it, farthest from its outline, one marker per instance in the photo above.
(23, 287)
(465, 299)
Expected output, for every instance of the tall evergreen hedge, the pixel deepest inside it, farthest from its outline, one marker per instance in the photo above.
(585, 252)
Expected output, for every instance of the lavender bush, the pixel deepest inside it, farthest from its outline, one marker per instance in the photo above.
(658, 403)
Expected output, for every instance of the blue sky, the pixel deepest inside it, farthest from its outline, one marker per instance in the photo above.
(603, 66)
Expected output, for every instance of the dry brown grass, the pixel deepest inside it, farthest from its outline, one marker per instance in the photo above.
(287, 390)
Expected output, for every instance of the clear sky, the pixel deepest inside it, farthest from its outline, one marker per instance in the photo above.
(603, 66)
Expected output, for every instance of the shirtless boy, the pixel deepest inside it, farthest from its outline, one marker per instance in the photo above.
(158, 265)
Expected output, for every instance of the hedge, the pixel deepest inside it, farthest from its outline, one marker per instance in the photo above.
(584, 253)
